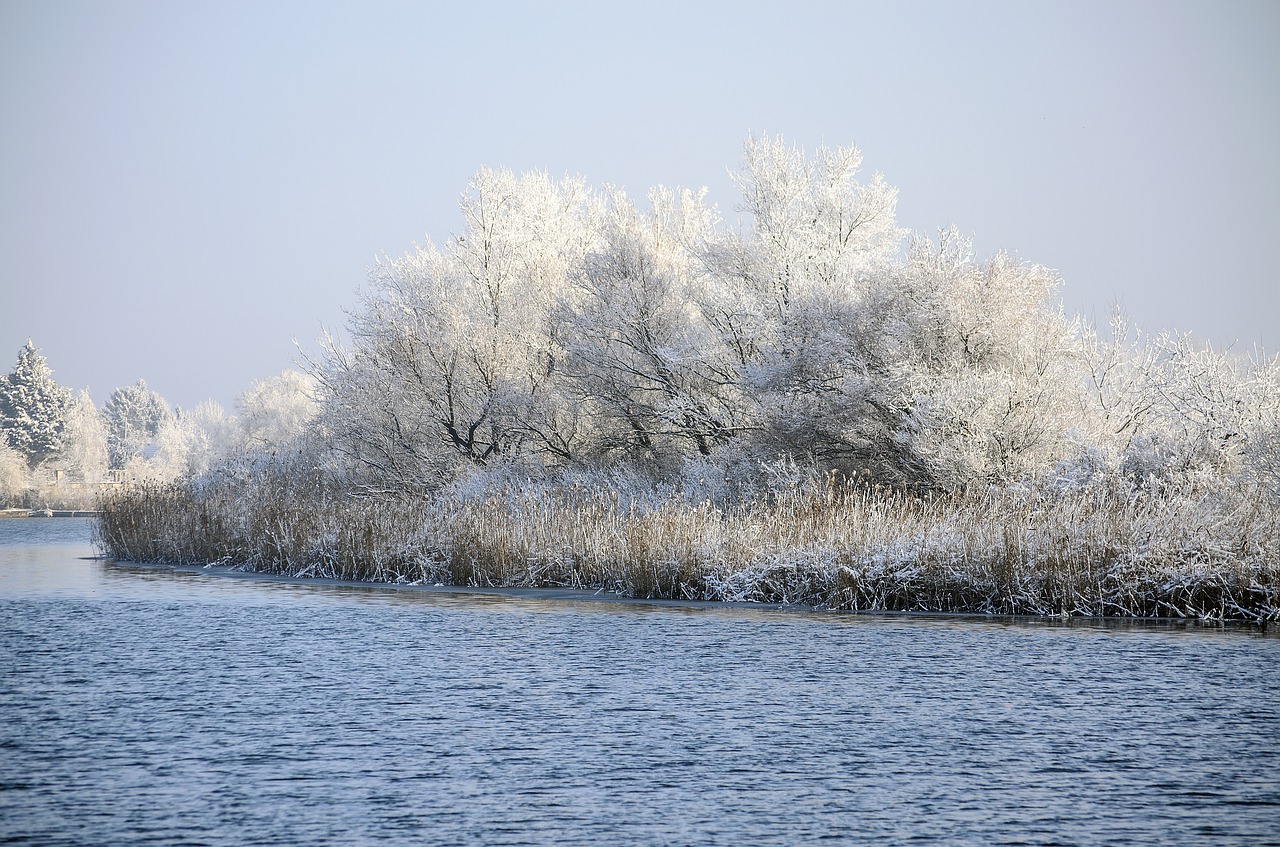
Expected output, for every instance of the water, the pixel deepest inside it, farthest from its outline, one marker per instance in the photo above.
(150, 706)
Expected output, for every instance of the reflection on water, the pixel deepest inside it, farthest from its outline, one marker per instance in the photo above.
(142, 705)
(47, 557)
(44, 532)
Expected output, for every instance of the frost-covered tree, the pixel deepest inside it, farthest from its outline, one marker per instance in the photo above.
(15, 476)
(798, 299)
(815, 226)
(453, 356)
(187, 444)
(1209, 413)
(84, 442)
(276, 410)
(990, 368)
(133, 416)
(33, 408)
(565, 329)
(640, 355)
(937, 370)
(1164, 411)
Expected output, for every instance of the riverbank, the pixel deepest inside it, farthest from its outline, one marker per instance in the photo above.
(48, 513)
(600, 597)
(1008, 552)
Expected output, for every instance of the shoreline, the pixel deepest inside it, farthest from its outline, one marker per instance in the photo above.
(1002, 553)
(576, 596)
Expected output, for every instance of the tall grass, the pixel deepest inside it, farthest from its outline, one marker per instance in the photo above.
(1207, 555)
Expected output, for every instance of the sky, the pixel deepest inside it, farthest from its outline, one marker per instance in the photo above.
(190, 192)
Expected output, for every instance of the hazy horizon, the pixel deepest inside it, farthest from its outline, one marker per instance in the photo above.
(186, 189)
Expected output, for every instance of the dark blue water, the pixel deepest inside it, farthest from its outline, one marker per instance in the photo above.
(145, 706)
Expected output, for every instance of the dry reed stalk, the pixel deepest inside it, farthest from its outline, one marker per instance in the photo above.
(851, 547)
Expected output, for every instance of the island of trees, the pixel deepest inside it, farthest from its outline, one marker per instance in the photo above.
(817, 407)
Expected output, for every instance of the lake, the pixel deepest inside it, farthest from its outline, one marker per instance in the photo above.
(157, 706)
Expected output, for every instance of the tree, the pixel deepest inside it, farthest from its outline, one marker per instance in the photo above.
(15, 476)
(453, 361)
(33, 408)
(936, 369)
(133, 416)
(84, 441)
(566, 327)
(802, 299)
(640, 354)
(187, 444)
(814, 225)
(986, 369)
(277, 409)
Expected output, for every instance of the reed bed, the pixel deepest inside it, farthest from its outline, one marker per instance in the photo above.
(1209, 556)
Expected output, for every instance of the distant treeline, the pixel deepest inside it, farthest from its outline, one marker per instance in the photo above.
(57, 448)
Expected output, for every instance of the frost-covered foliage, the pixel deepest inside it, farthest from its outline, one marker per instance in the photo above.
(650, 377)
(1166, 412)
(567, 329)
(69, 449)
(580, 389)
(454, 350)
(187, 443)
(15, 477)
(84, 443)
(275, 411)
(273, 414)
(33, 408)
(133, 415)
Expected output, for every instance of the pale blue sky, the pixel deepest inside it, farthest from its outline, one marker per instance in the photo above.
(185, 187)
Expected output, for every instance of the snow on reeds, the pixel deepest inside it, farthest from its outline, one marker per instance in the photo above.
(1009, 551)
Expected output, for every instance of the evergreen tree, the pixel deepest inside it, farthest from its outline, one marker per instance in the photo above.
(133, 417)
(33, 408)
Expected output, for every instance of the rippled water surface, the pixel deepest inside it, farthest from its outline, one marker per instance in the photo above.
(152, 706)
